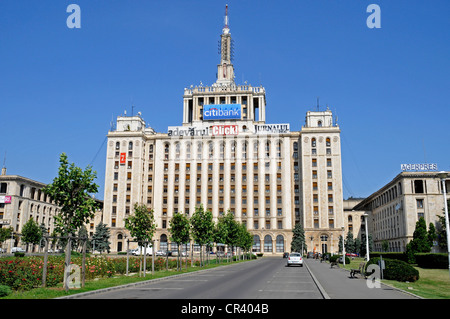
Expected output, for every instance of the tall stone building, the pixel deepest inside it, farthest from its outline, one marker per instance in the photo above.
(226, 157)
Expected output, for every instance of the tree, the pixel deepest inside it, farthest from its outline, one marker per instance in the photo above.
(420, 242)
(298, 240)
(349, 243)
(31, 233)
(141, 226)
(100, 239)
(71, 191)
(363, 249)
(432, 235)
(442, 231)
(202, 228)
(179, 230)
(231, 230)
(5, 233)
(245, 238)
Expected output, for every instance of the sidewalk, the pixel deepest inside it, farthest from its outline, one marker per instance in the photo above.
(337, 284)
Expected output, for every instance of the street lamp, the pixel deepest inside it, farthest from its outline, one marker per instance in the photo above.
(443, 176)
(343, 246)
(367, 236)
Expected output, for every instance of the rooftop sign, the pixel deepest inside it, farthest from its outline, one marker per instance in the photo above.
(419, 167)
(272, 128)
(222, 112)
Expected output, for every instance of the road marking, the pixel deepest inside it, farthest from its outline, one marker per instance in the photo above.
(155, 288)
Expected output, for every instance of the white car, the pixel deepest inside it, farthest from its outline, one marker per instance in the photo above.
(295, 259)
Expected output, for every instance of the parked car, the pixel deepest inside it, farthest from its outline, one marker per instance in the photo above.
(17, 249)
(161, 253)
(310, 255)
(286, 255)
(295, 259)
(1, 250)
(220, 254)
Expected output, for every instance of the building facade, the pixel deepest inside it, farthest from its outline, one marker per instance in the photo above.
(225, 156)
(395, 208)
(22, 199)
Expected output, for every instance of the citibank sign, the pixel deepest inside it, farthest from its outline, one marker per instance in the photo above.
(222, 112)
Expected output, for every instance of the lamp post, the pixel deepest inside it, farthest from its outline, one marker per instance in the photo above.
(343, 246)
(367, 236)
(443, 177)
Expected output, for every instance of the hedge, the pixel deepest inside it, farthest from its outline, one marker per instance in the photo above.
(435, 261)
(397, 270)
(390, 255)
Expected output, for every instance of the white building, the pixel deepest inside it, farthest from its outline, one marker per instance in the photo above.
(226, 156)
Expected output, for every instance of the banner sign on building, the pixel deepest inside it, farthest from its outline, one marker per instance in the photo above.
(272, 128)
(123, 158)
(222, 112)
(419, 167)
(5, 199)
(187, 131)
(225, 130)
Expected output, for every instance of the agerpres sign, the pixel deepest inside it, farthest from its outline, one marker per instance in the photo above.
(272, 128)
(419, 167)
(225, 130)
(222, 112)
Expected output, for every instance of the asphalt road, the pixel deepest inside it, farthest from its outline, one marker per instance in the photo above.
(267, 278)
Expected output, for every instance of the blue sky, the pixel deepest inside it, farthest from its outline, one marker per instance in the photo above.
(390, 87)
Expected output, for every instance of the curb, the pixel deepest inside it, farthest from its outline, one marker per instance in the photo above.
(322, 291)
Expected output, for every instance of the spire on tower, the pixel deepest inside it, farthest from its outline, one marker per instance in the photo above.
(226, 29)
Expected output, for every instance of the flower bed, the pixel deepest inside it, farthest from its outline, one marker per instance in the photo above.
(25, 273)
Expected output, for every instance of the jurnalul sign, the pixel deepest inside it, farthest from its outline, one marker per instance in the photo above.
(222, 112)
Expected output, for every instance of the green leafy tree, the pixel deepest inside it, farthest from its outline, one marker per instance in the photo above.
(100, 239)
(220, 232)
(31, 233)
(232, 230)
(71, 190)
(141, 226)
(245, 238)
(179, 229)
(298, 239)
(202, 228)
(5, 233)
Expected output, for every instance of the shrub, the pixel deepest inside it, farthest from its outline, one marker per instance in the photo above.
(390, 255)
(336, 257)
(397, 270)
(5, 291)
(19, 254)
(435, 261)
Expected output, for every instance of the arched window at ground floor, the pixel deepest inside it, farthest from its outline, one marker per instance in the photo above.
(256, 244)
(280, 244)
(268, 244)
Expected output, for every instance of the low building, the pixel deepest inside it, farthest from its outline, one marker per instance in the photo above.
(396, 207)
(22, 199)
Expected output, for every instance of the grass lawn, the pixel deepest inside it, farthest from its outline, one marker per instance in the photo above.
(432, 283)
(55, 292)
